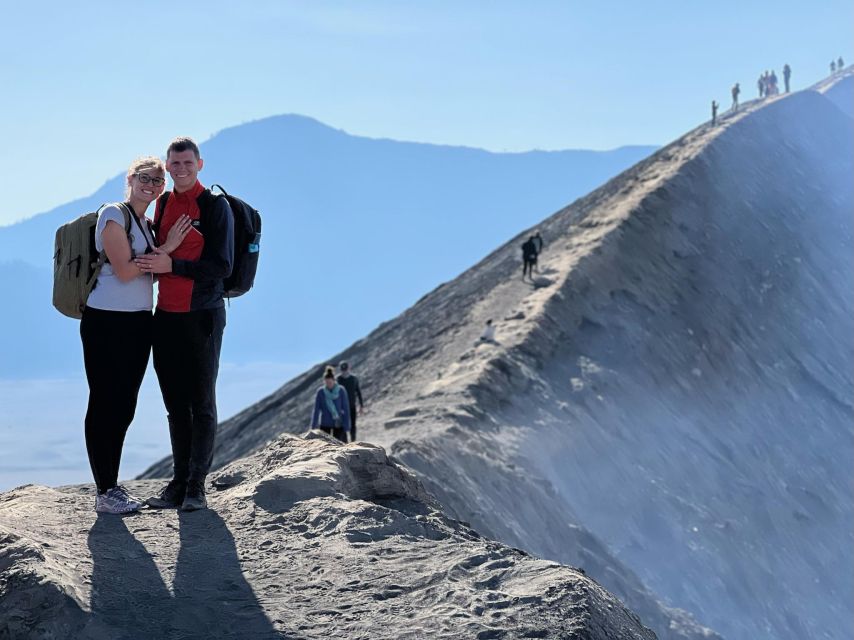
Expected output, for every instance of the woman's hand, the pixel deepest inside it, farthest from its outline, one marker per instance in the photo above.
(177, 234)
(157, 262)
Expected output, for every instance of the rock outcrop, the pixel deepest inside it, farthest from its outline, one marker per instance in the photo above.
(305, 539)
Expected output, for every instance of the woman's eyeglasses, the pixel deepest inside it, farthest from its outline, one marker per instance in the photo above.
(144, 178)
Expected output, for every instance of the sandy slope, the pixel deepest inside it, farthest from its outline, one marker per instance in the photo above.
(307, 539)
(678, 381)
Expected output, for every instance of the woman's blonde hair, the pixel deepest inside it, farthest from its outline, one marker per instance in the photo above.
(144, 162)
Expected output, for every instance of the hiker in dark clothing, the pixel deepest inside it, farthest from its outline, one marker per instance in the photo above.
(773, 82)
(832, 67)
(189, 322)
(787, 73)
(529, 257)
(760, 84)
(538, 245)
(735, 91)
(839, 64)
(354, 392)
(714, 113)
(331, 413)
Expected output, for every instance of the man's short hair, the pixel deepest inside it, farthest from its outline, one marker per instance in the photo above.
(183, 143)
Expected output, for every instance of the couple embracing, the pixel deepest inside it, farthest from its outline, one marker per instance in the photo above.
(189, 249)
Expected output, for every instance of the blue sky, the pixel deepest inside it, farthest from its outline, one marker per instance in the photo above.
(88, 86)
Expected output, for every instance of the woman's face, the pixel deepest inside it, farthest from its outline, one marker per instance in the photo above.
(147, 184)
(330, 382)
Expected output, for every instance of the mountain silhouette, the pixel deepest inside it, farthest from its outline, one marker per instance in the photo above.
(378, 221)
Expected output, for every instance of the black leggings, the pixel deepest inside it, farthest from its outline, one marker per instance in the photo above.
(116, 347)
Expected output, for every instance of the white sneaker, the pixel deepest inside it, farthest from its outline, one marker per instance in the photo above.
(128, 495)
(115, 501)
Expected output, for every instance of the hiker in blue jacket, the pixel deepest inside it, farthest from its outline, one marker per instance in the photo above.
(331, 412)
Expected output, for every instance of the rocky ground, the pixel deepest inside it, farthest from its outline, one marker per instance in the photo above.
(305, 539)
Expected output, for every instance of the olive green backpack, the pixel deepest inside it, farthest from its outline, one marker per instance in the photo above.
(76, 262)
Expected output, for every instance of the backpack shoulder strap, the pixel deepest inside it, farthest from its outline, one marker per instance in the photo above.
(125, 209)
(206, 201)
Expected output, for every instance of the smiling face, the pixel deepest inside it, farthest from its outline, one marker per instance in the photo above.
(184, 168)
(330, 382)
(142, 184)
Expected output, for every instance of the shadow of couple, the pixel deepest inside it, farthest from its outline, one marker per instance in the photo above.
(210, 597)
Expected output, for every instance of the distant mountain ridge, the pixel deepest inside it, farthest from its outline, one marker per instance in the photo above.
(378, 220)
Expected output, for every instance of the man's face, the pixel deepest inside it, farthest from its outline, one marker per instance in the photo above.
(184, 168)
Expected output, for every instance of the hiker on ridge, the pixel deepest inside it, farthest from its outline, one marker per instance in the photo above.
(839, 64)
(538, 245)
(529, 257)
(189, 321)
(775, 90)
(832, 67)
(760, 84)
(116, 327)
(354, 392)
(488, 334)
(331, 413)
(735, 91)
(714, 113)
(787, 74)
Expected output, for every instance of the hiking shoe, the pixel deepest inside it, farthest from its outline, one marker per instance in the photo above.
(128, 495)
(115, 501)
(195, 498)
(170, 497)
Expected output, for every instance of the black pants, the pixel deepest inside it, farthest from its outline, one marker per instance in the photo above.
(116, 346)
(528, 267)
(186, 359)
(352, 424)
(336, 432)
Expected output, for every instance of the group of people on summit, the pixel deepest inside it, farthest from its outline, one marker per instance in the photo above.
(767, 84)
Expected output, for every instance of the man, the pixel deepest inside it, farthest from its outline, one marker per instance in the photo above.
(787, 73)
(714, 113)
(351, 384)
(189, 321)
(538, 247)
(735, 91)
(529, 257)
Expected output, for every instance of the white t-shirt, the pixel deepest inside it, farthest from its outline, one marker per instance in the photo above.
(110, 293)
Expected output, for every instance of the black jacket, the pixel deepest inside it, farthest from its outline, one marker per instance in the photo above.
(351, 383)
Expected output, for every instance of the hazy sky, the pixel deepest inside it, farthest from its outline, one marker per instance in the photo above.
(88, 86)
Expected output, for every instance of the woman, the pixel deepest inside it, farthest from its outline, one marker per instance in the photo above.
(331, 408)
(116, 328)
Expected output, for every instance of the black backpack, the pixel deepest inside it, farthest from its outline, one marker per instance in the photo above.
(247, 245)
(247, 241)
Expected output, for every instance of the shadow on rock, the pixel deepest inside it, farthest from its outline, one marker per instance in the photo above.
(131, 600)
